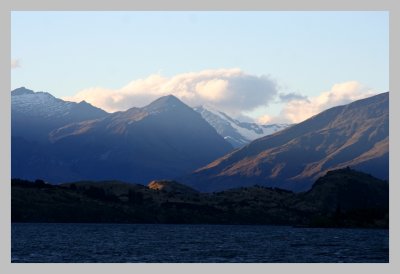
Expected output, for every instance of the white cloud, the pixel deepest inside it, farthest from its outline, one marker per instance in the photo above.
(230, 90)
(15, 63)
(213, 90)
(296, 111)
(265, 119)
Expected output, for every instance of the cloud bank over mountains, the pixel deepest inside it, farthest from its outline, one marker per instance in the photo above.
(230, 90)
(298, 110)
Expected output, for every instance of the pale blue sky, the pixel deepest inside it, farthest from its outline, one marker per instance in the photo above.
(305, 52)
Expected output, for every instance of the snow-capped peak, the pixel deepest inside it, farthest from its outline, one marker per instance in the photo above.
(234, 131)
(39, 103)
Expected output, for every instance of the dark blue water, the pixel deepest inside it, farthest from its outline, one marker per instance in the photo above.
(194, 243)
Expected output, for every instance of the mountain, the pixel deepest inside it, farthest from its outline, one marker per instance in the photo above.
(35, 114)
(235, 132)
(163, 140)
(355, 135)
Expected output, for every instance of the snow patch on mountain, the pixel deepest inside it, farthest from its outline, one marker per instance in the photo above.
(39, 103)
(236, 132)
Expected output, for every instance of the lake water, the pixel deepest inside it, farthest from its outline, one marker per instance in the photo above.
(112, 243)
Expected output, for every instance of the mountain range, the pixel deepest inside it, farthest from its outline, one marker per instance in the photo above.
(61, 141)
(162, 140)
(355, 135)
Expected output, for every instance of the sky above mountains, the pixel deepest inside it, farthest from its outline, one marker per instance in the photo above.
(265, 66)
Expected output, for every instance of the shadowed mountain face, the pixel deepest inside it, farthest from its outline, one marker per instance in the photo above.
(355, 135)
(35, 114)
(165, 139)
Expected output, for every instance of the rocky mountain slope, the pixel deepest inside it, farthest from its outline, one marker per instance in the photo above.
(355, 135)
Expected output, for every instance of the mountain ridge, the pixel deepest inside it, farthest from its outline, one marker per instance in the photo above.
(35, 114)
(164, 139)
(355, 134)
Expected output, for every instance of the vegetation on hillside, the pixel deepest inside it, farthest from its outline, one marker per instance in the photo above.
(341, 198)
